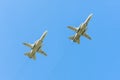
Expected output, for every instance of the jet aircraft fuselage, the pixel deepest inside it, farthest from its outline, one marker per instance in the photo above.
(36, 47)
(80, 31)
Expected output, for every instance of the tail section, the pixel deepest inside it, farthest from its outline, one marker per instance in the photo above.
(74, 40)
(71, 37)
(78, 41)
(29, 55)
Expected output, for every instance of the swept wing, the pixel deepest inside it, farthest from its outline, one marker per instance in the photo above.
(87, 36)
(42, 52)
(29, 45)
(72, 28)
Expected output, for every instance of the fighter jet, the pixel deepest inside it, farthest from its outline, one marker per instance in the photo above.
(36, 47)
(80, 31)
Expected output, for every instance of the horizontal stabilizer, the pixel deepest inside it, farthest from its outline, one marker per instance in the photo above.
(72, 28)
(27, 54)
(71, 37)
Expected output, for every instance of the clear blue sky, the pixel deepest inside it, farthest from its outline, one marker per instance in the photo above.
(26, 20)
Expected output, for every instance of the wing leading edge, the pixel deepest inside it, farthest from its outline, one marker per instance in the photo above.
(29, 45)
(87, 36)
(42, 52)
(72, 28)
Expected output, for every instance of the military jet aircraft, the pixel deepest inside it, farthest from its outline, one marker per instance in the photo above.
(36, 47)
(80, 31)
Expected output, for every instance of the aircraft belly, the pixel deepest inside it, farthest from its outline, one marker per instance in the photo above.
(38, 43)
(34, 50)
(77, 37)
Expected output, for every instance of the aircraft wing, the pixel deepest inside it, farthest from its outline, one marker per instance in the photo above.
(72, 28)
(87, 36)
(42, 52)
(29, 45)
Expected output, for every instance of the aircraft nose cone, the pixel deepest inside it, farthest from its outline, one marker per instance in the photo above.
(46, 31)
(91, 14)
